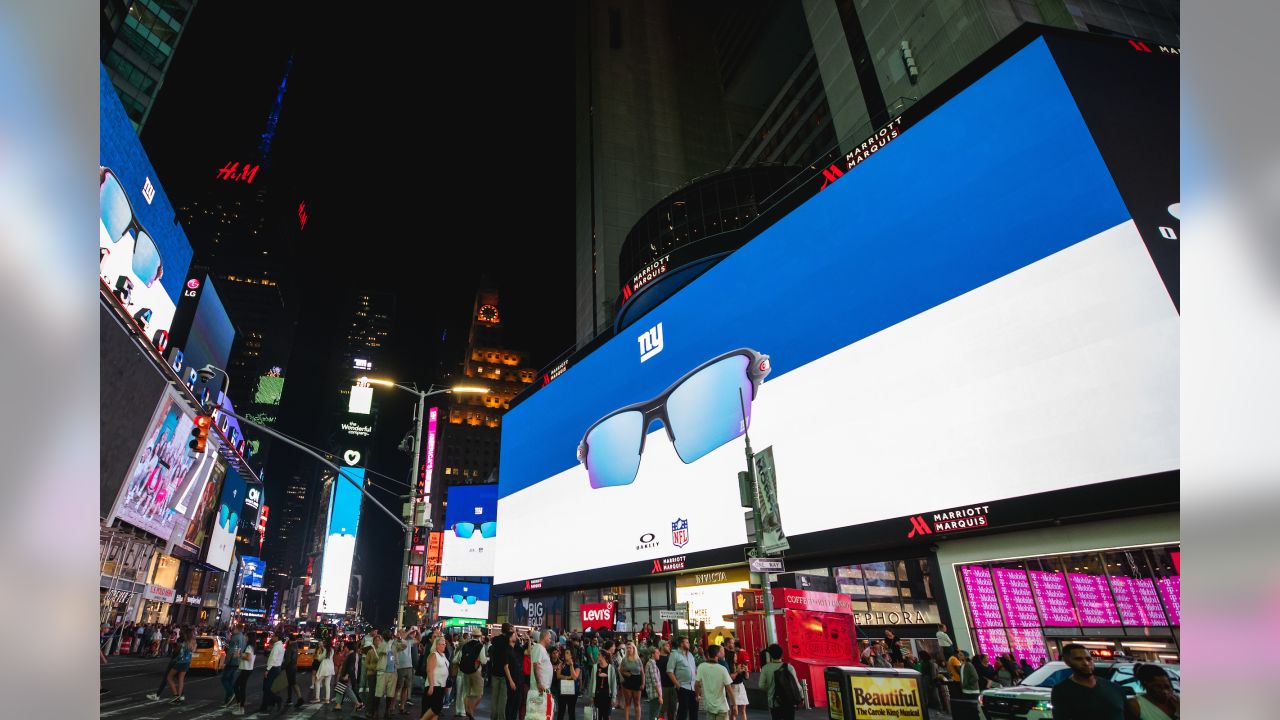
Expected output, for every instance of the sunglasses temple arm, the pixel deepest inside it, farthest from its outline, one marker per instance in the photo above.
(742, 404)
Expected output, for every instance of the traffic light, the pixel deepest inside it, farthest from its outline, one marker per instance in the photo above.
(200, 433)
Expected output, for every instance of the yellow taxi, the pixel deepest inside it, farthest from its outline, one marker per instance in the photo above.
(306, 653)
(210, 654)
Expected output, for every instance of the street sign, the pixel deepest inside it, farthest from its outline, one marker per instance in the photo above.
(766, 565)
(775, 540)
(670, 615)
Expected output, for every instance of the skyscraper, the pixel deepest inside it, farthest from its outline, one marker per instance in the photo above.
(668, 92)
(137, 42)
(471, 427)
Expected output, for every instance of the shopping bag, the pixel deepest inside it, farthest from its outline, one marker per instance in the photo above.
(340, 690)
(586, 712)
(537, 706)
(280, 684)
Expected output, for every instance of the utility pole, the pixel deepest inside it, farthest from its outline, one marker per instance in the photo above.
(770, 633)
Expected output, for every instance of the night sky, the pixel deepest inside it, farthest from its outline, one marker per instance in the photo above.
(426, 170)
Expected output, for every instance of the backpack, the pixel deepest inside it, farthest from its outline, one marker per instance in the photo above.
(786, 691)
(470, 654)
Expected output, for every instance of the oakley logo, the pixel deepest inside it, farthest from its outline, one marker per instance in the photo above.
(919, 526)
(647, 541)
(650, 342)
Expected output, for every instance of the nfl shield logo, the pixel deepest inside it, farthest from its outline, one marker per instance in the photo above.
(680, 533)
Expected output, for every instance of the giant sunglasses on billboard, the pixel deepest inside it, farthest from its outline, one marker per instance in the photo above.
(706, 408)
(129, 260)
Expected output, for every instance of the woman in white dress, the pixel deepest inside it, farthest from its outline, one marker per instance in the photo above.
(324, 674)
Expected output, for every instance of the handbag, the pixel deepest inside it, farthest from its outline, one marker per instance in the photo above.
(340, 690)
(537, 706)
(280, 684)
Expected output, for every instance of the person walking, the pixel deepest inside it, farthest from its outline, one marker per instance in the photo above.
(275, 661)
(566, 688)
(176, 672)
(781, 706)
(348, 677)
(632, 673)
(323, 676)
(738, 671)
(370, 657)
(1085, 696)
(245, 659)
(230, 671)
(652, 683)
(945, 643)
(714, 686)
(683, 669)
(541, 673)
(437, 680)
(290, 668)
(602, 687)
(470, 657)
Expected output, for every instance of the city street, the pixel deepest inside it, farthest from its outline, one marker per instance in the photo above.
(126, 681)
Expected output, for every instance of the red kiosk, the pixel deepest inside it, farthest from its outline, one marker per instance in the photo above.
(815, 630)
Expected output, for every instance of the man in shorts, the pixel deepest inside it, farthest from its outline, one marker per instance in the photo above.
(385, 685)
(404, 643)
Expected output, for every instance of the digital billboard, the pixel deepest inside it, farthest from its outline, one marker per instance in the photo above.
(464, 600)
(222, 543)
(340, 543)
(470, 531)
(972, 315)
(166, 480)
(251, 571)
(201, 512)
(143, 252)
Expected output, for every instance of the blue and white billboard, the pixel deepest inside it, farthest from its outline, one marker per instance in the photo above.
(222, 539)
(143, 252)
(464, 600)
(970, 316)
(251, 571)
(340, 543)
(470, 531)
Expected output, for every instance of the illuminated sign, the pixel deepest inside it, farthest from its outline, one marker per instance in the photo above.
(351, 457)
(302, 215)
(429, 463)
(647, 274)
(357, 430)
(668, 564)
(270, 390)
(253, 498)
(881, 697)
(233, 172)
(361, 402)
(362, 364)
(555, 372)
(435, 546)
(148, 190)
(340, 543)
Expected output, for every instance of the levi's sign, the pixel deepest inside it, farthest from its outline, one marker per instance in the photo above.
(597, 615)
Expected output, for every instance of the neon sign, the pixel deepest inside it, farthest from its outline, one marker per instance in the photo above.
(302, 215)
(233, 172)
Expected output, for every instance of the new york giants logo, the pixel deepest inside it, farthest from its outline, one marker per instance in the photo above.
(680, 533)
(650, 342)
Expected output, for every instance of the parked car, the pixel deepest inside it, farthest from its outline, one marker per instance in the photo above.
(210, 654)
(1030, 699)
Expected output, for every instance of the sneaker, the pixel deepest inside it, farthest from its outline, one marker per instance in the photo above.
(229, 701)
(238, 711)
(152, 696)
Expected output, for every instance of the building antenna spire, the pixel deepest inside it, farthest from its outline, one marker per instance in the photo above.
(273, 119)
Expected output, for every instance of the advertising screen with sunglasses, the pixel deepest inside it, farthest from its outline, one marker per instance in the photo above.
(464, 600)
(340, 543)
(143, 252)
(971, 315)
(471, 529)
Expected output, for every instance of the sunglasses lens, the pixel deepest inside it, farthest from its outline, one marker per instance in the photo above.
(705, 411)
(471, 599)
(464, 529)
(488, 529)
(613, 450)
(146, 260)
(114, 206)
(457, 599)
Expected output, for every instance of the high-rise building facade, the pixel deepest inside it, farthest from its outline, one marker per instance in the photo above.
(471, 424)
(668, 92)
(137, 42)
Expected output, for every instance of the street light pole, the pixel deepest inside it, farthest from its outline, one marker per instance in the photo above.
(413, 485)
